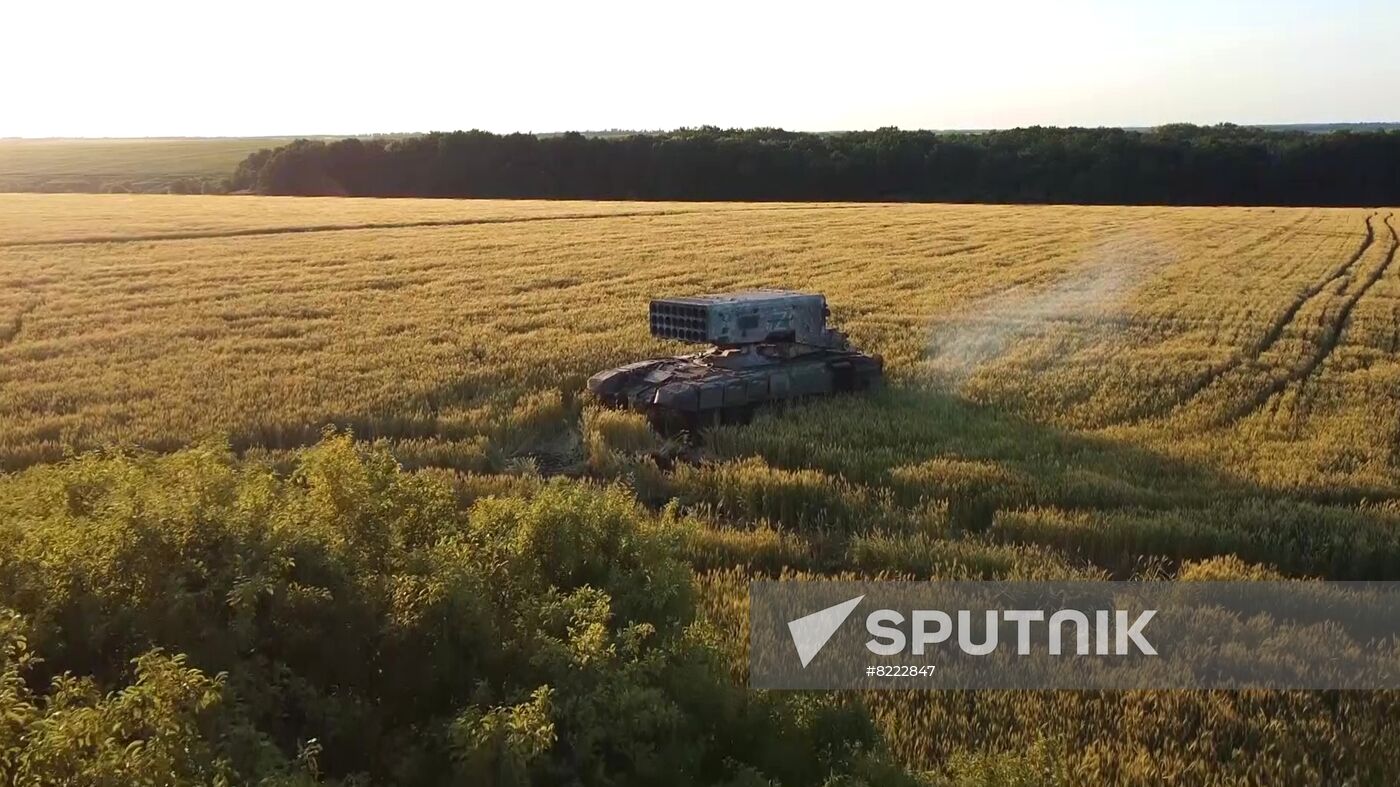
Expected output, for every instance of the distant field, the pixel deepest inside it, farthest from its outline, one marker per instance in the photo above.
(79, 218)
(1124, 392)
(138, 165)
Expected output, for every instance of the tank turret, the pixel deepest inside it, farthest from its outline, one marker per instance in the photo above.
(767, 347)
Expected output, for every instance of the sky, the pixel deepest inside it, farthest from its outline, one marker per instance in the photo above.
(254, 68)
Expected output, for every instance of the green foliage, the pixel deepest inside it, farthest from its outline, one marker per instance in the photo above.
(172, 725)
(349, 620)
(499, 745)
(1179, 164)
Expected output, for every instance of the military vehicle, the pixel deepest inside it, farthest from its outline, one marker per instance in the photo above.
(769, 347)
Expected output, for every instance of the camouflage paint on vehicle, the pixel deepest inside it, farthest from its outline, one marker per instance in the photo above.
(770, 346)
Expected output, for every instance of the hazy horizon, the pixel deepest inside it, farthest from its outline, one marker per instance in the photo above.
(600, 131)
(155, 68)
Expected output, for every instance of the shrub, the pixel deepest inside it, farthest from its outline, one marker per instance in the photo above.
(172, 725)
(545, 637)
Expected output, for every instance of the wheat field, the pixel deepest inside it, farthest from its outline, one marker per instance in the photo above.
(148, 165)
(1073, 392)
(1254, 343)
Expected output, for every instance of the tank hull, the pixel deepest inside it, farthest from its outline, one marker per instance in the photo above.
(690, 391)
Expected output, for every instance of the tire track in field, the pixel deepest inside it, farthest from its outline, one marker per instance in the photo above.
(1331, 336)
(1275, 331)
(260, 231)
(393, 225)
(8, 334)
(1343, 270)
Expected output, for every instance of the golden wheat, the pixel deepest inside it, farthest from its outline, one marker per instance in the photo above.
(1073, 392)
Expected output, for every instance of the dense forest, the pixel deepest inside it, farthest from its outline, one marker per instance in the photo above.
(1172, 165)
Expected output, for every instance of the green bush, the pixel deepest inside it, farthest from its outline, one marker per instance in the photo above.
(356, 619)
(172, 725)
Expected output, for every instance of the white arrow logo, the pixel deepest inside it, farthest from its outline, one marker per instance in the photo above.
(811, 632)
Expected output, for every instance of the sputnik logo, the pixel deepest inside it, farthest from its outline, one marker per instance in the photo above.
(810, 633)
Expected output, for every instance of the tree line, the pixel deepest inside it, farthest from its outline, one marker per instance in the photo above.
(1172, 165)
